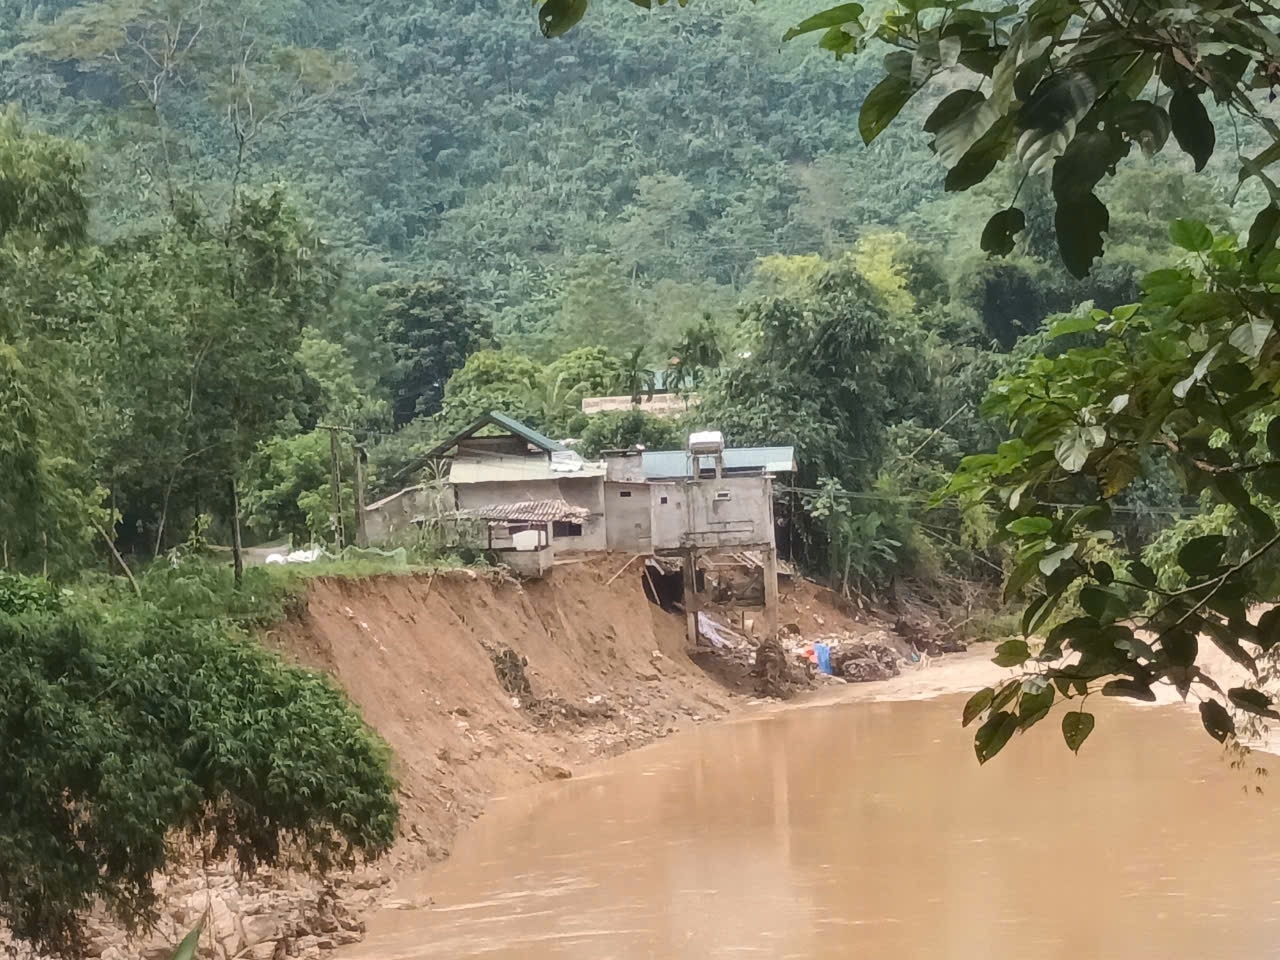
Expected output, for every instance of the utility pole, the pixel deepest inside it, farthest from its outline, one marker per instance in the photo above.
(357, 477)
(335, 485)
(237, 547)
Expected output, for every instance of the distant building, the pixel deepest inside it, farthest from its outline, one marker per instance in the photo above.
(663, 402)
(659, 405)
(539, 497)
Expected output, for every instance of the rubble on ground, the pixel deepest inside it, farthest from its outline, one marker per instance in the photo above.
(861, 661)
(778, 673)
(268, 916)
(791, 662)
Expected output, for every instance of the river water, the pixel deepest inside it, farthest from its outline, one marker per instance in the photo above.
(868, 830)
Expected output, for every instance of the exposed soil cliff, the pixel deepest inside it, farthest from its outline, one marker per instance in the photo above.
(481, 684)
(606, 670)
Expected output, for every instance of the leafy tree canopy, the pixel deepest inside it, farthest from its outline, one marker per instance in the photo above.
(224, 742)
(1066, 88)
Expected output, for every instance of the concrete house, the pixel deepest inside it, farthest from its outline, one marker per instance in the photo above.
(666, 501)
(540, 499)
(510, 463)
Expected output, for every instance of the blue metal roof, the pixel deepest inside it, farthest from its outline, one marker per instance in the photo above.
(670, 464)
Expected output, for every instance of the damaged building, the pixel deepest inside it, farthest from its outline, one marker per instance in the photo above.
(541, 500)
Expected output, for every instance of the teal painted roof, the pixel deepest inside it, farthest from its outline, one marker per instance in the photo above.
(495, 419)
(528, 433)
(669, 464)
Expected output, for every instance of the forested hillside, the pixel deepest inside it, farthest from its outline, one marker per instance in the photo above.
(1008, 279)
(460, 215)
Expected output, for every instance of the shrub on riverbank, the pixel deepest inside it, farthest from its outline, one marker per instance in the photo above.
(124, 721)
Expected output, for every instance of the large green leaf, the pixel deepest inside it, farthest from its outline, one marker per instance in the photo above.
(1180, 647)
(836, 16)
(1191, 235)
(190, 943)
(1216, 720)
(1073, 448)
(1251, 336)
(1273, 436)
(994, 734)
(950, 108)
(1011, 653)
(1253, 701)
(1192, 127)
(1269, 629)
(1076, 727)
(1080, 225)
(881, 105)
(1264, 232)
(981, 158)
(1029, 526)
(557, 17)
(957, 137)
(1035, 705)
(1049, 117)
(976, 705)
(1124, 687)
(998, 235)
(1202, 556)
(1103, 605)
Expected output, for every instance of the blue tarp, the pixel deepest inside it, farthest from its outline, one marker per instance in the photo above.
(823, 653)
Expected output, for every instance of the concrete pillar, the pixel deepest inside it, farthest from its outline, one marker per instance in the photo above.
(691, 597)
(771, 591)
(770, 566)
(357, 476)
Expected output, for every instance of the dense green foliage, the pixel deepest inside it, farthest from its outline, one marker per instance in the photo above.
(495, 205)
(1180, 384)
(236, 238)
(125, 721)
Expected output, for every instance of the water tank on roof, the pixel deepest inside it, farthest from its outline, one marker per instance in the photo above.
(706, 443)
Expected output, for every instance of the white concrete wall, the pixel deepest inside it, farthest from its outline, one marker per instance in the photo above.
(627, 517)
(577, 491)
(730, 512)
(394, 516)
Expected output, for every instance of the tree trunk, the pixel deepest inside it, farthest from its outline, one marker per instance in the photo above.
(111, 545)
(237, 554)
(164, 517)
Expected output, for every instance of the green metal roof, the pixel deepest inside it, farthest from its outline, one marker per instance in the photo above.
(495, 419)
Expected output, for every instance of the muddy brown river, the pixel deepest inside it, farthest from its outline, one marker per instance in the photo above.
(868, 830)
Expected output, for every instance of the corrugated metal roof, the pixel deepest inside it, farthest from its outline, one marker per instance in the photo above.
(395, 496)
(539, 440)
(528, 511)
(495, 419)
(667, 464)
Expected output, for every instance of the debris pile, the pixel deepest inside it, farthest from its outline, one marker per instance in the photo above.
(864, 660)
(779, 674)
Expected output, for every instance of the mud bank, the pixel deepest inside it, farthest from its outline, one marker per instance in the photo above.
(606, 670)
(429, 660)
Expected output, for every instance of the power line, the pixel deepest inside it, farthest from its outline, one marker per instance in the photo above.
(928, 501)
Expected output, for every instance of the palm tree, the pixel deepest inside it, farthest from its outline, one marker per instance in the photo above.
(551, 403)
(697, 353)
(637, 379)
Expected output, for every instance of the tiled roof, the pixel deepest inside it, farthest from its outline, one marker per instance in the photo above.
(529, 511)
